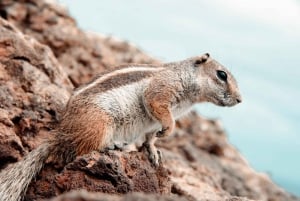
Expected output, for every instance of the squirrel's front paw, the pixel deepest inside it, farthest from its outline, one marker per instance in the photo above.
(154, 155)
(155, 158)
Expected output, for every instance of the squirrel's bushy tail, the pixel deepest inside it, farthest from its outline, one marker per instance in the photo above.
(15, 179)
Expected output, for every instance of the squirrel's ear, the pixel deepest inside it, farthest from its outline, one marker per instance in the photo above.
(202, 59)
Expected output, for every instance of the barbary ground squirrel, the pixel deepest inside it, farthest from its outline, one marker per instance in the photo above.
(118, 107)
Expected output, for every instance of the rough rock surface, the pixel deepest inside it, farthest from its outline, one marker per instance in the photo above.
(113, 172)
(88, 196)
(43, 56)
(31, 92)
(82, 55)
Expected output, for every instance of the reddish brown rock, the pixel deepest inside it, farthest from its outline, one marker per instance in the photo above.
(112, 172)
(198, 164)
(33, 89)
(204, 174)
(82, 55)
(90, 196)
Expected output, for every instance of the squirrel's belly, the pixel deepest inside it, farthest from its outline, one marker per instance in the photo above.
(125, 106)
(132, 122)
(129, 132)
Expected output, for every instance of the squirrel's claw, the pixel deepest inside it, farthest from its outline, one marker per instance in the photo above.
(154, 155)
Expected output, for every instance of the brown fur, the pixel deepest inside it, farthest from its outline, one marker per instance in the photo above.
(83, 128)
(159, 104)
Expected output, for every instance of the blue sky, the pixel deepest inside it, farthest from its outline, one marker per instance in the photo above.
(259, 41)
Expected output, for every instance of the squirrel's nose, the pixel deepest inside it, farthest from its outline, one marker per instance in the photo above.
(238, 98)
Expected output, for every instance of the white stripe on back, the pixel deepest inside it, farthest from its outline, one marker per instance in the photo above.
(116, 72)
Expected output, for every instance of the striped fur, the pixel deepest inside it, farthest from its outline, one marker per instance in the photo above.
(123, 105)
(122, 76)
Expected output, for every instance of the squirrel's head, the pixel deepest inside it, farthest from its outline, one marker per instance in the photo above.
(217, 84)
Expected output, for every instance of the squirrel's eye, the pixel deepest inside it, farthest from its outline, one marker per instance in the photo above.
(222, 75)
